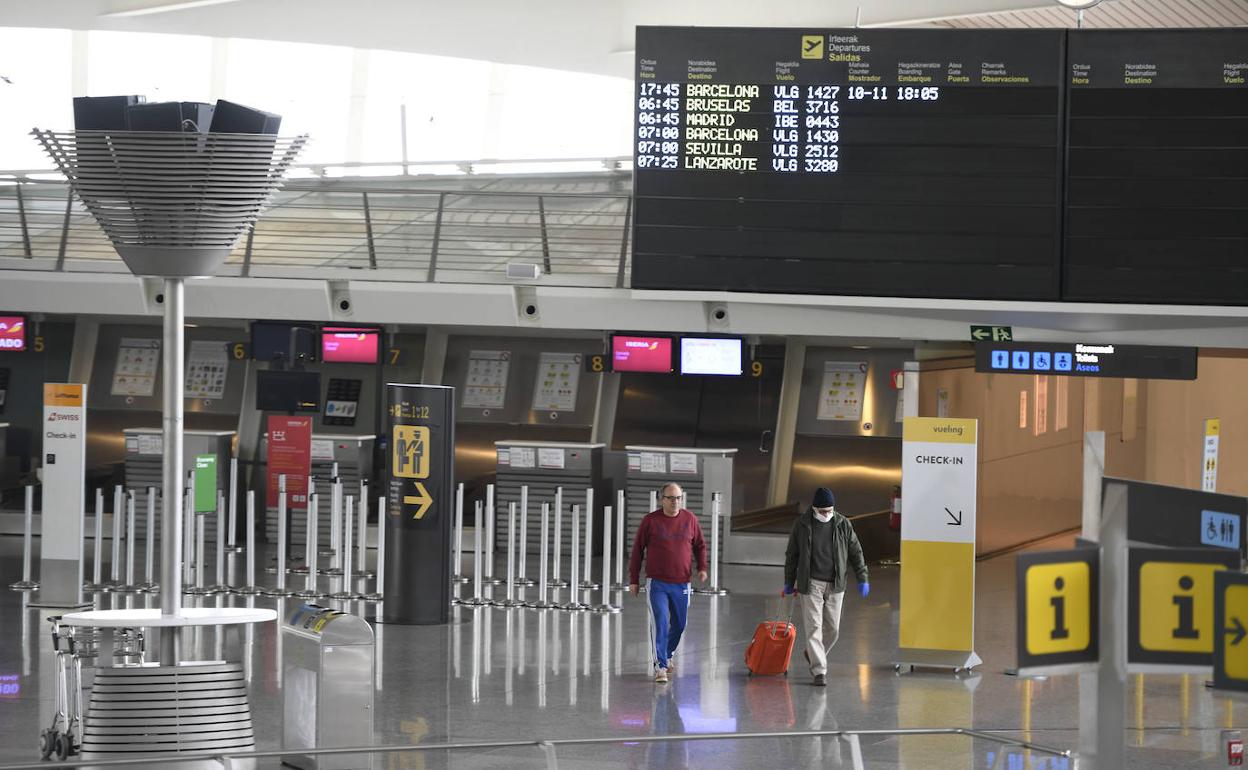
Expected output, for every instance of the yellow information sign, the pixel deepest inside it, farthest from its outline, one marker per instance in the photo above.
(1171, 604)
(411, 451)
(1057, 607)
(1230, 619)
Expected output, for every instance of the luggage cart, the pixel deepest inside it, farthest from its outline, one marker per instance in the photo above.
(71, 646)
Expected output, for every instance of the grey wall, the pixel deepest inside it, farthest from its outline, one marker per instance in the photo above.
(880, 403)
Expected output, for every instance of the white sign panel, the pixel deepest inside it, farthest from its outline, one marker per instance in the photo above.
(485, 386)
(1209, 468)
(323, 449)
(939, 470)
(64, 469)
(135, 373)
(523, 457)
(558, 375)
(684, 462)
(653, 462)
(151, 444)
(550, 457)
(841, 393)
(206, 365)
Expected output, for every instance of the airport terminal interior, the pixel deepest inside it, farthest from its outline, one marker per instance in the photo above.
(623, 384)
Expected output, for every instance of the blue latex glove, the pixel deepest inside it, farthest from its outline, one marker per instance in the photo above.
(788, 589)
(864, 589)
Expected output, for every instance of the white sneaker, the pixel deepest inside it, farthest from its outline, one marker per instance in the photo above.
(661, 676)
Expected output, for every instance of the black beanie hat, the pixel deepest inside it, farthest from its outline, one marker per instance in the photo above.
(823, 498)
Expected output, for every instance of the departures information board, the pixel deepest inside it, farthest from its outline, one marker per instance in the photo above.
(849, 161)
(1157, 184)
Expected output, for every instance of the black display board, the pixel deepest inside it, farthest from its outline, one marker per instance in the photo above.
(420, 503)
(1157, 182)
(342, 401)
(849, 161)
(1086, 359)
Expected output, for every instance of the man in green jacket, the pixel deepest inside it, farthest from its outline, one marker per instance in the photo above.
(821, 547)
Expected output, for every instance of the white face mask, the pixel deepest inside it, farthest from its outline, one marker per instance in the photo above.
(824, 517)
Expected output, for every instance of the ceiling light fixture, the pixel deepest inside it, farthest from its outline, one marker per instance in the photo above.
(182, 5)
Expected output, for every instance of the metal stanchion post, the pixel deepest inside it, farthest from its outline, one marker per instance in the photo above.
(188, 536)
(335, 528)
(621, 515)
(310, 590)
(119, 520)
(379, 594)
(606, 607)
(457, 575)
(521, 579)
(543, 601)
(221, 587)
(26, 584)
(714, 587)
(198, 588)
(491, 520)
(233, 507)
(348, 511)
(282, 539)
(478, 544)
(129, 586)
(97, 566)
(574, 598)
(588, 583)
(557, 580)
(251, 588)
(510, 600)
(149, 564)
(654, 500)
(361, 554)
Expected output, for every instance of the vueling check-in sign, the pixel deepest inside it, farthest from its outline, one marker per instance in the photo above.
(411, 461)
(1058, 608)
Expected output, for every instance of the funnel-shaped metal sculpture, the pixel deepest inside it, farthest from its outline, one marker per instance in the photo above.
(174, 205)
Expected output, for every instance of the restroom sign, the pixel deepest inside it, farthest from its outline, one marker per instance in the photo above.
(1057, 608)
(1170, 611)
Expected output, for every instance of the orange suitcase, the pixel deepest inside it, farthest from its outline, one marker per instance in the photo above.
(772, 646)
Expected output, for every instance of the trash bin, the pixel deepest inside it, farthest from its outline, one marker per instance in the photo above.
(328, 664)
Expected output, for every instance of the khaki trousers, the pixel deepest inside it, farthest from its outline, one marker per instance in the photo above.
(821, 617)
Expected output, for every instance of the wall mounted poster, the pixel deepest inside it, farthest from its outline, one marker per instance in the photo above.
(135, 373)
(206, 365)
(558, 376)
(840, 397)
(485, 387)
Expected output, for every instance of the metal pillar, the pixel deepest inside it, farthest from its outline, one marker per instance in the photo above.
(172, 390)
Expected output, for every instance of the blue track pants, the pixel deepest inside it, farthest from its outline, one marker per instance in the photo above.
(669, 610)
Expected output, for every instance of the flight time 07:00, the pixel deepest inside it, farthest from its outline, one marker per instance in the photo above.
(900, 93)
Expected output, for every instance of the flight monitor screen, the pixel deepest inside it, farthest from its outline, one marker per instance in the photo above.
(631, 353)
(12, 333)
(849, 161)
(1086, 359)
(349, 345)
(1157, 183)
(711, 355)
(288, 391)
(288, 342)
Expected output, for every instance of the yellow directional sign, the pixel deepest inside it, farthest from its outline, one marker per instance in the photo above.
(1230, 619)
(1171, 604)
(1057, 608)
(411, 451)
(421, 499)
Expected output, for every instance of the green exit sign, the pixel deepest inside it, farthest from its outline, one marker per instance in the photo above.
(992, 333)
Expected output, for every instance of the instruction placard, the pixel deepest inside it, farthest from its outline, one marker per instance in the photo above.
(844, 385)
(485, 386)
(206, 368)
(558, 377)
(135, 373)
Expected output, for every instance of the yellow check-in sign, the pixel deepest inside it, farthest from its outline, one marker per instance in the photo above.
(1057, 607)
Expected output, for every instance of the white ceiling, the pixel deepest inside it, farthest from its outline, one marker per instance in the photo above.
(580, 35)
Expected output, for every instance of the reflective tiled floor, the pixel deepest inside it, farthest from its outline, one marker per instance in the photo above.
(519, 674)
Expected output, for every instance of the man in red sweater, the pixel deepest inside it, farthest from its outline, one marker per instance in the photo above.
(668, 539)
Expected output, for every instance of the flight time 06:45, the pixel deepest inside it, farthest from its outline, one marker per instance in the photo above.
(900, 93)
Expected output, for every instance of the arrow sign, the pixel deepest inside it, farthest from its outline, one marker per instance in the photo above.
(994, 333)
(955, 519)
(423, 500)
(1239, 631)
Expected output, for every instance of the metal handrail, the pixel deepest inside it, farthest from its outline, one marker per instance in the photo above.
(546, 745)
(425, 232)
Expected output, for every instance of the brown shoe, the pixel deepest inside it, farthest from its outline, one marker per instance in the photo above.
(821, 680)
